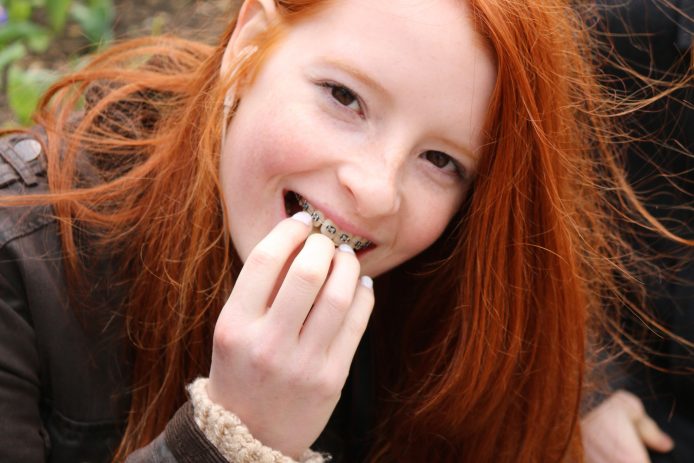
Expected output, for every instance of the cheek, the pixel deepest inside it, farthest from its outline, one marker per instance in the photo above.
(433, 216)
(434, 223)
(272, 143)
(421, 228)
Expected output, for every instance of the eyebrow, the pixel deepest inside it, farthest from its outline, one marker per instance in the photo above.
(356, 73)
(369, 81)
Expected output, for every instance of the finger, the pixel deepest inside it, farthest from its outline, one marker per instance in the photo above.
(605, 453)
(609, 431)
(300, 287)
(333, 301)
(631, 404)
(259, 275)
(357, 318)
(653, 436)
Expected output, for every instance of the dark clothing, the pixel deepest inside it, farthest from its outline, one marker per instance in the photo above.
(653, 39)
(65, 373)
(63, 376)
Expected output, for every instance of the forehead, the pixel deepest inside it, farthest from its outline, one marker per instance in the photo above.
(427, 53)
(433, 29)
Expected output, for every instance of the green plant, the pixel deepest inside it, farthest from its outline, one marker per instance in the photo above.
(24, 89)
(57, 11)
(28, 28)
(96, 19)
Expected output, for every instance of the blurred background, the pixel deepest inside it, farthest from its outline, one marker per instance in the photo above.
(42, 39)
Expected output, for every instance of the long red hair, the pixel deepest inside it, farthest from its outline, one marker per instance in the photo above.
(490, 357)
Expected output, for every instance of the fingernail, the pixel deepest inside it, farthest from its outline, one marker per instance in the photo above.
(346, 248)
(303, 217)
(366, 281)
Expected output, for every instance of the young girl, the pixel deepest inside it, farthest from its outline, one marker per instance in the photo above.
(219, 213)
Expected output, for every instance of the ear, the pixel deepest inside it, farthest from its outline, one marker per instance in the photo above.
(254, 18)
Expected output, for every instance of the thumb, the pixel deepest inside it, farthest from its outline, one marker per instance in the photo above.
(652, 435)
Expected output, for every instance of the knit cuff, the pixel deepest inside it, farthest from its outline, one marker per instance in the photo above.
(231, 437)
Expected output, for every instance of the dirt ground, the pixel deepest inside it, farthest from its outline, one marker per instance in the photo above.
(201, 20)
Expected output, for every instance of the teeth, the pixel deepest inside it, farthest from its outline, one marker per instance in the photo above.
(304, 205)
(317, 217)
(328, 228)
(342, 238)
(358, 243)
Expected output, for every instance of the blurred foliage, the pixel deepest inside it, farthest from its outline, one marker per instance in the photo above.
(30, 27)
(24, 89)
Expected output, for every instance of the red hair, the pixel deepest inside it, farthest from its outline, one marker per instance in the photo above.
(490, 362)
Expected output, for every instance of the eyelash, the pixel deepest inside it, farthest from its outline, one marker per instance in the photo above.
(333, 87)
(457, 167)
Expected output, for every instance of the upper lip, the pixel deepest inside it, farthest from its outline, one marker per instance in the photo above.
(341, 222)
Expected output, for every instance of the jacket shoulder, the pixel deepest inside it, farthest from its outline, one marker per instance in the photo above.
(22, 159)
(22, 172)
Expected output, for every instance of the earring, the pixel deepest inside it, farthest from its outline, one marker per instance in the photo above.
(230, 100)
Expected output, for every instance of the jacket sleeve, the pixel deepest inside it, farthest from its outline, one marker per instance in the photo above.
(181, 442)
(22, 435)
(202, 431)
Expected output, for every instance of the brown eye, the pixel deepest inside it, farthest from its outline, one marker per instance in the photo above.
(444, 162)
(343, 95)
(439, 159)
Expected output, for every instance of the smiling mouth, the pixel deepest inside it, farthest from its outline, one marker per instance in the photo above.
(294, 202)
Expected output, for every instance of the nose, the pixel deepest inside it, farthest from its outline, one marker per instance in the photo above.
(374, 185)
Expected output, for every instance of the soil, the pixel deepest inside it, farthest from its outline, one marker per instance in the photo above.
(201, 20)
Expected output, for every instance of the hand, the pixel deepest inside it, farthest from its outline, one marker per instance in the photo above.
(619, 430)
(283, 343)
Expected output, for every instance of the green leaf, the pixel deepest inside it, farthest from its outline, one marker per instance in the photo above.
(11, 54)
(23, 30)
(24, 89)
(96, 20)
(57, 11)
(19, 10)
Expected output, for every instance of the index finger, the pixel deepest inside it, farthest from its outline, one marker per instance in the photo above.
(258, 277)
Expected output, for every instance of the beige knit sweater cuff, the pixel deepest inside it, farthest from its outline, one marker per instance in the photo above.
(231, 437)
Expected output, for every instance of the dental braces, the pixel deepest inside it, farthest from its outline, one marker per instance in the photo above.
(329, 229)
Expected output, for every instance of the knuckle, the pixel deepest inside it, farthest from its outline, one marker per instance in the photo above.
(264, 358)
(630, 401)
(326, 386)
(225, 340)
(356, 325)
(308, 276)
(261, 256)
(337, 301)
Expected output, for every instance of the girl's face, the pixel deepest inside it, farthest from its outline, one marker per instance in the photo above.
(369, 113)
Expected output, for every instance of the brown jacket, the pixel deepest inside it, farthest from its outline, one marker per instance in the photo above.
(63, 379)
